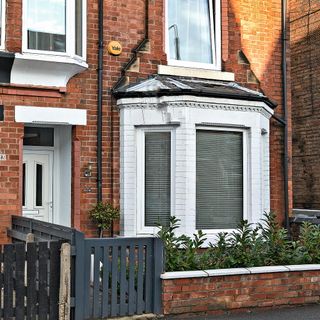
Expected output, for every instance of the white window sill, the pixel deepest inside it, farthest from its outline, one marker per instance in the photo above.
(45, 69)
(195, 72)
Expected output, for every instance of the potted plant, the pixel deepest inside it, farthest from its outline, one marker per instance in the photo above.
(103, 215)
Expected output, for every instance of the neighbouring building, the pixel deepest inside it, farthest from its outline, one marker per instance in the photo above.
(305, 70)
(187, 112)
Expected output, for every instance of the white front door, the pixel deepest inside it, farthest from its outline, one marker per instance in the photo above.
(37, 184)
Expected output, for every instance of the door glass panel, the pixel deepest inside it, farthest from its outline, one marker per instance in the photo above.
(39, 185)
(24, 185)
(36, 136)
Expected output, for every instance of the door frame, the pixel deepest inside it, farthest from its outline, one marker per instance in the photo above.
(50, 152)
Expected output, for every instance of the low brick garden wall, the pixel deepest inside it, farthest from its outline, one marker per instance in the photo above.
(218, 291)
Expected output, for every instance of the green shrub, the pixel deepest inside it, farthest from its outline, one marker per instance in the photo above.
(103, 215)
(247, 246)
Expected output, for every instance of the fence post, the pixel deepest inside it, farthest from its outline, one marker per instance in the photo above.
(65, 282)
(29, 237)
(157, 270)
(78, 279)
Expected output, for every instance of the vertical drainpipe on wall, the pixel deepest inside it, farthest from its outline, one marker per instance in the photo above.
(285, 111)
(99, 129)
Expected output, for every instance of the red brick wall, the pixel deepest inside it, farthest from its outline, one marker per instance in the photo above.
(245, 26)
(216, 295)
(305, 56)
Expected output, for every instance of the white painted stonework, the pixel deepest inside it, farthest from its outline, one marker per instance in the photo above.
(45, 70)
(237, 271)
(46, 115)
(183, 115)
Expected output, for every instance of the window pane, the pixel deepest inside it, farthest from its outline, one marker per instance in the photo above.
(78, 27)
(157, 178)
(46, 25)
(189, 30)
(35, 136)
(0, 22)
(39, 185)
(219, 189)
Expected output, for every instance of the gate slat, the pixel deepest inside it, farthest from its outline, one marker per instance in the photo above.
(148, 279)
(87, 281)
(31, 281)
(123, 280)
(96, 282)
(114, 281)
(8, 280)
(105, 281)
(43, 282)
(1, 281)
(132, 275)
(20, 280)
(54, 279)
(140, 302)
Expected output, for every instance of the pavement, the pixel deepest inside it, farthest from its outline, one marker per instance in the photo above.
(311, 312)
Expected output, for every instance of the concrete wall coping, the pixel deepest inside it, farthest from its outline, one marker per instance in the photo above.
(237, 271)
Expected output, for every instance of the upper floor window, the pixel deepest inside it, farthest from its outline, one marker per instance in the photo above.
(2, 23)
(56, 26)
(194, 33)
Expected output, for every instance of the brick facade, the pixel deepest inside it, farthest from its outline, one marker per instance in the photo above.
(305, 55)
(233, 293)
(245, 27)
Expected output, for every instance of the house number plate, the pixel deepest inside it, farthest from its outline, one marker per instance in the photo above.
(3, 157)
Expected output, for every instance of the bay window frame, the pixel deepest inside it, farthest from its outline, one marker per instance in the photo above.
(246, 169)
(70, 32)
(215, 30)
(3, 24)
(142, 229)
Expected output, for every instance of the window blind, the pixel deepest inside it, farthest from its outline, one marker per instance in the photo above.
(219, 185)
(157, 178)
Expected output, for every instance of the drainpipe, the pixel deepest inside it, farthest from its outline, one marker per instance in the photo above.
(285, 111)
(99, 129)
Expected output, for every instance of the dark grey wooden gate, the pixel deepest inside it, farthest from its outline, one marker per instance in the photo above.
(117, 277)
(29, 280)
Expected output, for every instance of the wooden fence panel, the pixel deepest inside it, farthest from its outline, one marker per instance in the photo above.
(29, 275)
(8, 260)
(43, 280)
(20, 280)
(54, 279)
(1, 282)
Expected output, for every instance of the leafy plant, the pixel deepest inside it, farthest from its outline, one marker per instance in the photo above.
(181, 252)
(308, 244)
(248, 246)
(103, 215)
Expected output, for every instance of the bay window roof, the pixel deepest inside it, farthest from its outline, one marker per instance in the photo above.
(160, 85)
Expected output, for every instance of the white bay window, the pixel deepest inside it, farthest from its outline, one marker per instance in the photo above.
(203, 160)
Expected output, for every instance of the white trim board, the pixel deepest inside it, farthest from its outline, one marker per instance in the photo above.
(66, 116)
